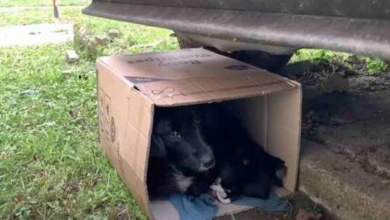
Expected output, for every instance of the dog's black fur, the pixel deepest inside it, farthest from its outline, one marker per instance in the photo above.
(244, 167)
(180, 153)
(187, 141)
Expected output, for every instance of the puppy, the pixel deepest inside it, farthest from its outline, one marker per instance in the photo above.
(180, 158)
(244, 167)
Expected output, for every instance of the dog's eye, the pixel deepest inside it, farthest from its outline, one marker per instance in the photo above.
(174, 134)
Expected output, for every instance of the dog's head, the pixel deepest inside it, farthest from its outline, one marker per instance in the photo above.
(177, 136)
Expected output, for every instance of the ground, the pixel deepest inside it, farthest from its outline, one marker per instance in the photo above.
(50, 164)
(345, 149)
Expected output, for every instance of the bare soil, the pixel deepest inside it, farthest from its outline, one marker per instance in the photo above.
(354, 123)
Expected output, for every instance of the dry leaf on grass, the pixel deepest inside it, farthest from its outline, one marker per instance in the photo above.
(305, 215)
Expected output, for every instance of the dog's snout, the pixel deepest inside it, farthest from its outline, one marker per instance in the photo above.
(209, 164)
(208, 161)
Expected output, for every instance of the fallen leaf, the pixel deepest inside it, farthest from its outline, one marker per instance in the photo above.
(3, 156)
(305, 215)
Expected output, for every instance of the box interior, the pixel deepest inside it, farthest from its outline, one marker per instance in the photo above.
(272, 120)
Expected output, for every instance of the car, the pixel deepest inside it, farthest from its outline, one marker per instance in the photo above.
(265, 33)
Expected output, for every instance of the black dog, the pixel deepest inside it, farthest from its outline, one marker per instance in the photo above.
(244, 167)
(181, 159)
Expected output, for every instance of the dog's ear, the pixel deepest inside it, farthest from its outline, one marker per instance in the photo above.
(196, 118)
(158, 148)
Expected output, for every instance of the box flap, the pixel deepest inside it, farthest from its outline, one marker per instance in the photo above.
(209, 89)
(191, 76)
(173, 65)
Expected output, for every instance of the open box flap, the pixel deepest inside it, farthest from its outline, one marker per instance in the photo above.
(174, 65)
(192, 76)
(210, 89)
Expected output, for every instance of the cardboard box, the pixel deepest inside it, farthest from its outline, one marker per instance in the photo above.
(131, 87)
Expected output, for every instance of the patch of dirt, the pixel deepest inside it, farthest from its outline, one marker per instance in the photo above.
(305, 209)
(299, 204)
(337, 108)
(355, 123)
(312, 74)
(370, 83)
(120, 213)
(71, 188)
(305, 215)
(252, 215)
(302, 72)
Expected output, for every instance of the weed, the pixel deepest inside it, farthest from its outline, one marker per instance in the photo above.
(374, 65)
(365, 64)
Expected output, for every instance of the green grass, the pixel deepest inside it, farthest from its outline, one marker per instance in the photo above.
(26, 17)
(14, 3)
(37, 16)
(51, 166)
(365, 64)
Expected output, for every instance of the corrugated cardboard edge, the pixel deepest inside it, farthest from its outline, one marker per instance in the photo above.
(298, 87)
(97, 96)
(146, 207)
(299, 133)
(233, 96)
(149, 208)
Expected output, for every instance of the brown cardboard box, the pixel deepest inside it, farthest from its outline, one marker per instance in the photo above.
(131, 87)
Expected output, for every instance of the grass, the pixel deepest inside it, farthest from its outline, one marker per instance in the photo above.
(362, 63)
(24, 3)
(43, 151)
(26, 17)
(37, 16)
(51, 166)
